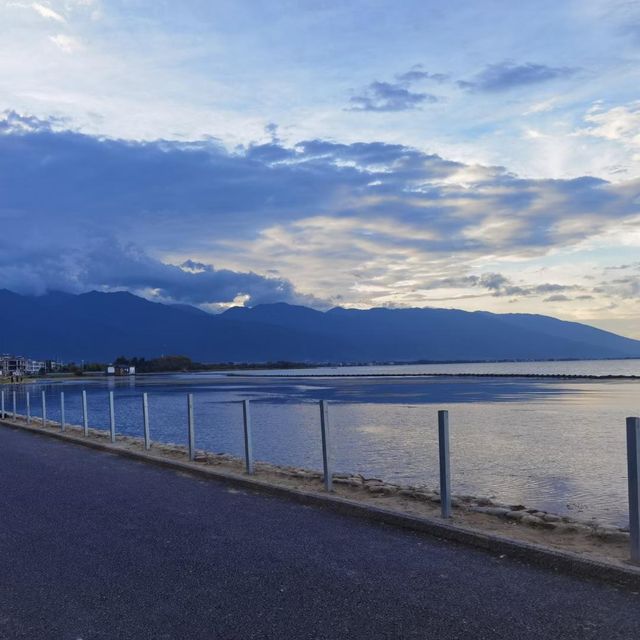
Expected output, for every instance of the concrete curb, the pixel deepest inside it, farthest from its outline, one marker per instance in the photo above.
(563, 561)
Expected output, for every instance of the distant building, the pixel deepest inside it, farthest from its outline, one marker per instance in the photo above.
(11, 365)
(121, 370)
(33, 367)
(18, 366)
(51, 366)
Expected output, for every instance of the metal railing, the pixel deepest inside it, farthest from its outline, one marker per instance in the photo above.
(444, 458)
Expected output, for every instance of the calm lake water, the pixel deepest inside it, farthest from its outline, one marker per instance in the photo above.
(553, 444)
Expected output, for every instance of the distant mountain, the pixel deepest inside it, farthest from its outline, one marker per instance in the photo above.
(447, 334)
(100, 326)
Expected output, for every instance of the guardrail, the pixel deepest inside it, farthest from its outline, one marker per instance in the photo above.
(444, 458)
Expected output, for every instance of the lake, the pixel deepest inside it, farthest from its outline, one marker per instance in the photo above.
(554, 444)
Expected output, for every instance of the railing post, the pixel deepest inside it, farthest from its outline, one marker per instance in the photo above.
(2, 403)
(112, 418)
(445, 468)
(62, 416)
(191, 427)
(248, 447)
(15, 412)
(145, 421)
(324, 431)
(28, 408)
(85, 414)
(44, 409)
(633, 467)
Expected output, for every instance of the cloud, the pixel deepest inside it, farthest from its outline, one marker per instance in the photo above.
(500, 285)
(625, 288)
(631, 265)
(389, 96)
(367, 223)
(621, 123)
(107, 264)
(497, 284)
(542, 106)
(66, 43)
(508, 75)
(115, 266)
(12, 123)
(396, 96)
(47, 12)
(558, 297)
(417, 74)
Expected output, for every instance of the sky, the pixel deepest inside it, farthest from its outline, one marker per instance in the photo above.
(477, 155)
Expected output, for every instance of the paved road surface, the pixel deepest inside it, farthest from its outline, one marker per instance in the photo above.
(97, 546)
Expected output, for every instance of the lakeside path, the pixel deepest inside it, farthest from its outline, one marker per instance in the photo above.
(93, 545)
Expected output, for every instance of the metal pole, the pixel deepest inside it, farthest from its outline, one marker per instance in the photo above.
(633, 466)
(248, 446)
(445, 467)
(145, 420)
(15, 415)
(44, 409)
(85, 414)
(112, 418)
(192, 445)
(62, 416)
(28, 408)
(324, 430)
(2, 407)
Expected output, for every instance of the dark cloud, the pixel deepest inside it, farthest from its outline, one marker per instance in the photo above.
(558, 297)
(80, 211)
(272, 130)
(622, 267)
(550, 288)
(114, 266)
(417, 74)
(499, 285)
(627, 288)
(389, 96)
(396, 96)
(109, 265)
(13, 122)
(508, 75)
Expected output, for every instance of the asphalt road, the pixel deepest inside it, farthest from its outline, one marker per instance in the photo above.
(97, 546)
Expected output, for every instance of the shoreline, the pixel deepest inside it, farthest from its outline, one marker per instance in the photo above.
(266, 374)
(590, 540)
(571, 376)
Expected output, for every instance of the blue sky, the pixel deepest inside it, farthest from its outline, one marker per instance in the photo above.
(479, 155)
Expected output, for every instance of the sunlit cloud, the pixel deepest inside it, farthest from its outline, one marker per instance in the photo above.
(47, 12)
(621, 123)
(67, 43)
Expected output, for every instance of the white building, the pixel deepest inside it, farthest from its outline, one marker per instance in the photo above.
(11, 365)
(33, 367)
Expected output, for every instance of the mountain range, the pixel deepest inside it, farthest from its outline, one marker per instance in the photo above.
(99, 326)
